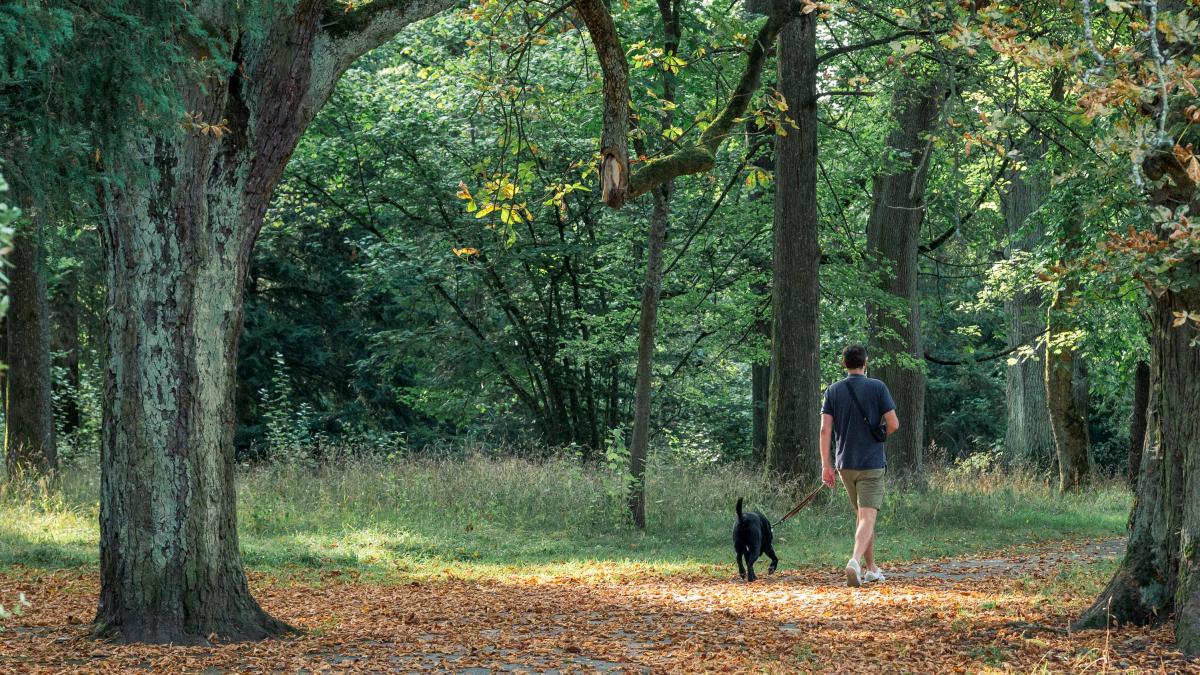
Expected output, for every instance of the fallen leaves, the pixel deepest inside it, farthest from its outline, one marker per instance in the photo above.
(989, 615)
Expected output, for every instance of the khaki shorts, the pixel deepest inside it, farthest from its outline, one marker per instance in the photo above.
(864, 486)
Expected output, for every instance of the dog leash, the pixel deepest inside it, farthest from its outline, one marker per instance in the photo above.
(803, 503)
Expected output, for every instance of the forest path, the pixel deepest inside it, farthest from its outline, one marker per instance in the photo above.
(996, 612)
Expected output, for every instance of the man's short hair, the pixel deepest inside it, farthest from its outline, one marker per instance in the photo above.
(854, 356)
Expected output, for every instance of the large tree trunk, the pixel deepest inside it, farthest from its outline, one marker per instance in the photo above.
(1067, 419)
(893, 239)
(1158, 575)
(177, 247)
(1028, 438)
(1137, 427)
(29, 416)
(793, 421)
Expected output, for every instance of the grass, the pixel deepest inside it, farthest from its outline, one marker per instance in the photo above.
(481, 517)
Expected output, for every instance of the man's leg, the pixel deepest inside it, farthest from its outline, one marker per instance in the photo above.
(864, 535)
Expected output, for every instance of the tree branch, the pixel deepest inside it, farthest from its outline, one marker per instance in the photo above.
(945, 236)
(859, 46)
(990, 357)
(702, 156)
(351, 29)
(614, 144)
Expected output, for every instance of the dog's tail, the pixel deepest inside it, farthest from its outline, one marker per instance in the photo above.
(738, 508)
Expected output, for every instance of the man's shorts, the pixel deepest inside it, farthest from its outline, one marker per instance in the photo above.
(864, 486)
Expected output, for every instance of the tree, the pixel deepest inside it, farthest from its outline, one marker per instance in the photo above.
(177, 246)
(1028, 437)
(29, 408)
(794, 390)
(1067, 416)
(893, 239)
(1157, 579)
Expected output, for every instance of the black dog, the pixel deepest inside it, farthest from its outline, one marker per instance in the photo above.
(752, 537)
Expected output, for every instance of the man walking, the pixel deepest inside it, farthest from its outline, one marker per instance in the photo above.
(860, 411)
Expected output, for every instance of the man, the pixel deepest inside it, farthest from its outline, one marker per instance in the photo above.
(854, 409)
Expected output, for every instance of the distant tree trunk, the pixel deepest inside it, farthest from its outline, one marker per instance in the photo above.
(793, 420)
(647, 323)
(760, 392)
(64, 309)
(29, 415)
(896, 354)
(177, 247)
(1137, 428)
(1068, 421)
(1028, 437)
(669, 12)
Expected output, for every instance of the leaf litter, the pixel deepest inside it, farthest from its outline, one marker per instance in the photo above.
(996, 618)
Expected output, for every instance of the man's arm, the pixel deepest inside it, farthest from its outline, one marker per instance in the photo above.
(826, 441)
(891, 421)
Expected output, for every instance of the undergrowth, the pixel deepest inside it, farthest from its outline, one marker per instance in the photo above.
(478, 515)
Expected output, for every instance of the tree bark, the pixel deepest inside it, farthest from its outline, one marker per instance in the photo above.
(177, 247)
(1067, 420)
(29, 414)
(893, 239)
(793, 422)
(1028, 437)
(1137, 427)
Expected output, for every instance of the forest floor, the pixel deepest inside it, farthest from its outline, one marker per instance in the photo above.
(1001, 611)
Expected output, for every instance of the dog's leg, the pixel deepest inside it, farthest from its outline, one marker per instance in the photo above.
(741, 569)
(770, 551)
(751, 557)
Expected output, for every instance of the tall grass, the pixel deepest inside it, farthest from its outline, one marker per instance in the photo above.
(477, 515)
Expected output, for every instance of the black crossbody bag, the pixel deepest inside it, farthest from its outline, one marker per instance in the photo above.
(878, 430)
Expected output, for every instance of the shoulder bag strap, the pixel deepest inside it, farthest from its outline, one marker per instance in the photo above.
(854, 397)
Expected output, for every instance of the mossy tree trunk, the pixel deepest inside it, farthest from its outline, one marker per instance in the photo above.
(896, 354)
(29, 443)
(1158, 576)
(1068, 421)
(177, 246)
(793, 419)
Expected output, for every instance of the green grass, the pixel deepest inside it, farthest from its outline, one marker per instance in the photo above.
(481, 517)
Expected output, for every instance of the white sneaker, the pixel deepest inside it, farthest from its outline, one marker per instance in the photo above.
(873, 576)
(853, 574)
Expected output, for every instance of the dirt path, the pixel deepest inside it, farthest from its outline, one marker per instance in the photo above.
(990, 613)
(1032, 563)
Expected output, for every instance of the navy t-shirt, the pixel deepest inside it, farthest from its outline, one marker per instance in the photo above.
(856, 447)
